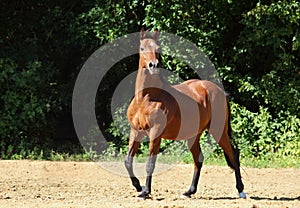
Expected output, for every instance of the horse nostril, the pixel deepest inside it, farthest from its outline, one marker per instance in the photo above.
(151, 65)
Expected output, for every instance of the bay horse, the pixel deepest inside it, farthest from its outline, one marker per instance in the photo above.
(160, 110)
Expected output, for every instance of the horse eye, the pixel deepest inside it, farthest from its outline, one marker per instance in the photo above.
(142, 48)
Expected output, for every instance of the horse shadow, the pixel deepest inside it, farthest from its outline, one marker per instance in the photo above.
(275, 198)
(258, 198)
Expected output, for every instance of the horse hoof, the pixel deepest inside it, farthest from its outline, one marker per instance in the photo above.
(183, 196)
(242, 195)
(143, 189)
(144, 195)
(141, 198)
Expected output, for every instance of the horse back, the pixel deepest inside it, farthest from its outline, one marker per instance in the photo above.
(202, 91)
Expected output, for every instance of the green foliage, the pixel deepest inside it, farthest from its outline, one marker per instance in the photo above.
(265, 65)
(261, 135)
(106, 20)
(253, 44)
(24, 107)
(33, 93)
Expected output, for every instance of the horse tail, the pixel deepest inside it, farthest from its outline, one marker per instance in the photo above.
(230, 133)
(233, 143)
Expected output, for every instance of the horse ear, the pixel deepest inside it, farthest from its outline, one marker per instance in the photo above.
(142, 33)
(155, 34)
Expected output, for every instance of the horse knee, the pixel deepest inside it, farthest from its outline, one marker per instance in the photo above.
(128, 161)
(201, 157)
(150, 165)
(150, 168)
(128, 164)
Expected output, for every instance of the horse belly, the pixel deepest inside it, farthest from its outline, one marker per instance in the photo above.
(190, 123)
(189, 127)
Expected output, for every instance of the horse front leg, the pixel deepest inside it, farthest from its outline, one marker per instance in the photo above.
(198, 158)
(134, 144)
(154, 149)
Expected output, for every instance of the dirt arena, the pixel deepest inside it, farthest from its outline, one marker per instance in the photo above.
(87, 184)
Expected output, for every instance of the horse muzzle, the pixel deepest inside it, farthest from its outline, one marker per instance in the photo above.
(154, 67)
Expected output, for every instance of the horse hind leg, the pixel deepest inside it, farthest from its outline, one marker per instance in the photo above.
(232, 159)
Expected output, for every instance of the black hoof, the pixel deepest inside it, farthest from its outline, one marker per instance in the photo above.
(140, 189)
(185, 196)
(144, 195)
(188, 193)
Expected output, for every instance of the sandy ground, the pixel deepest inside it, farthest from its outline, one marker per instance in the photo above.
(87, 184)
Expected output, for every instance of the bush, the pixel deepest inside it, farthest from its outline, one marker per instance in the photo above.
(264, 136)
(253, 44)
(264, 66)
(25, 106)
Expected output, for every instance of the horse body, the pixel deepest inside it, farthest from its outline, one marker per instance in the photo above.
(175, 102)
(179, 112)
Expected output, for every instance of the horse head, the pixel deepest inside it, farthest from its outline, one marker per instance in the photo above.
(149, 51)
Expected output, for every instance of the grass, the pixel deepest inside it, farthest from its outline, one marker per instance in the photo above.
(175, 155)
(285, 162)
(219, 160)
(275, 162)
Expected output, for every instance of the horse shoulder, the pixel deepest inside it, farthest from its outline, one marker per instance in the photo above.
(138, 114)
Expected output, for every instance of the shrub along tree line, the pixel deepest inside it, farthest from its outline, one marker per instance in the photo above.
(253, 44)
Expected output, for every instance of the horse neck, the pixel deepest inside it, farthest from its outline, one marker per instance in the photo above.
(147, 85)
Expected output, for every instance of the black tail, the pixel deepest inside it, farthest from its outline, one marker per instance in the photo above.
(236, 154)
(230, 134)
(235, 149)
